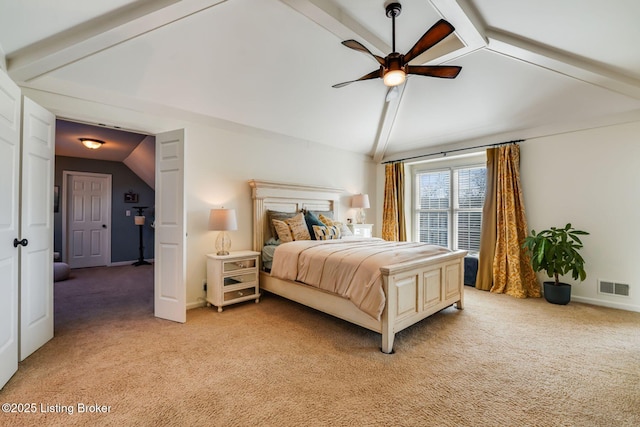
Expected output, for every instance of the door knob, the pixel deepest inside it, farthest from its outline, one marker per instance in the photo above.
(104, 225)
(23, 242)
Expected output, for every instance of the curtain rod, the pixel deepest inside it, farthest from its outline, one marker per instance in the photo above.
(444, 153)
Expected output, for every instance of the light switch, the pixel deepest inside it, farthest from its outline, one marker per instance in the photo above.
(128, 212)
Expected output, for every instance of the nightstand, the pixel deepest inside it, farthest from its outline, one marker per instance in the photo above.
(361, 230)
(232, 278)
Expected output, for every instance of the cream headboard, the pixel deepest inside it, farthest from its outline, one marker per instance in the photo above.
(275, 196)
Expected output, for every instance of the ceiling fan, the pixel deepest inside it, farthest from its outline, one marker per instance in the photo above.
(395, 66)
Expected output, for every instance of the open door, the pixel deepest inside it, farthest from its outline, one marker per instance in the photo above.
(36, 227)
(10, 109)
(170, 228)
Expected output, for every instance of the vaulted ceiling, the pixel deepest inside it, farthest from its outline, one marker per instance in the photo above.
(529, 68)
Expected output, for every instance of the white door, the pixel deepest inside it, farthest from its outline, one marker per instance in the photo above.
(10, 108)
(36, 226)
(88, 213)
(170, 247)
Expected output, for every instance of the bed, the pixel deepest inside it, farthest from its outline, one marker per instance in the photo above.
(413, 290)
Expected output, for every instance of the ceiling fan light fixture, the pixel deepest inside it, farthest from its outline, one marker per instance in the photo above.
(394, 78)
(91, 143)
(395, 67)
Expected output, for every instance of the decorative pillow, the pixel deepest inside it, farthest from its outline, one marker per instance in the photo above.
(312, 220)
(282, 230)
(298, 227)
(344, 230)
(325, 219)
(326, 232)
(280, 216)
(327, 214)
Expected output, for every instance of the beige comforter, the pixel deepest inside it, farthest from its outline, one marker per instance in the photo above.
(348, 267)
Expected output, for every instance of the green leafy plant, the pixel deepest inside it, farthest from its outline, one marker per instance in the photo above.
(556, 252)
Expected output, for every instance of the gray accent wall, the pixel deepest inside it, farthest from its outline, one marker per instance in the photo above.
(124, 233)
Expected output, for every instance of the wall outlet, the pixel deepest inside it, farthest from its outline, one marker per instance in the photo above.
(128, 213)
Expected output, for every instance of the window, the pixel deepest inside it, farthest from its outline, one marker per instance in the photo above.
(449, 206)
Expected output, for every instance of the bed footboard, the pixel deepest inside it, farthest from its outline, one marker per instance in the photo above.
(416, 290)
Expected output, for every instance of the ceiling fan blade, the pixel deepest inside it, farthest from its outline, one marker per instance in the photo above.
(442, 71)
(355, 45)
(433, 36)
(372, 75)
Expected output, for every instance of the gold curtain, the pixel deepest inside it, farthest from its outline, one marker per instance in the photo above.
(393, 220)
(484, 276)
(512, 273)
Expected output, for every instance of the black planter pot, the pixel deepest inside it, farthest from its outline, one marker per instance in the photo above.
(557, 294)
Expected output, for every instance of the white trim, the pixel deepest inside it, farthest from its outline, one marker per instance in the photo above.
(610, 304)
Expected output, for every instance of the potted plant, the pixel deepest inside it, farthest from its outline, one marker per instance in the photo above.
(556, 252)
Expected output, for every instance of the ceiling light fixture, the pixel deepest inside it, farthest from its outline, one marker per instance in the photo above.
(394, 72)
(91, 143)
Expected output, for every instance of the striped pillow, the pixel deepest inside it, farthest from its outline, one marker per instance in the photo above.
(326, 232)
(344, 230)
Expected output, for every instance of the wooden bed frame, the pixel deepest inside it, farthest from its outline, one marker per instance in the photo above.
(414, 290)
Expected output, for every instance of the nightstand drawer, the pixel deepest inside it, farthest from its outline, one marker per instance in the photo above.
(234, 266)
(248, 293)
(240, 278)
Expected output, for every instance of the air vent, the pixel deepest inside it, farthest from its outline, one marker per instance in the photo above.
(613, 288)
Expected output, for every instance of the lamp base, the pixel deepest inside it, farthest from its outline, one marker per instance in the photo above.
(223, 243)
(361, 217)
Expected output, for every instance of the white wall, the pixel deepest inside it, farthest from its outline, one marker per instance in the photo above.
(219, 164)
(142, 161)
(591, 179)
(220, 159)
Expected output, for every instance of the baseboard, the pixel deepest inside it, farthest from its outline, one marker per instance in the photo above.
(123, 263)
(610, 304)
(196, 304)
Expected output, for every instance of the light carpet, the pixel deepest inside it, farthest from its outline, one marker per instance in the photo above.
(500, 362)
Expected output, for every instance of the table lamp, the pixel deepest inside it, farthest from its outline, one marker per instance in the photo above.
(223, 220)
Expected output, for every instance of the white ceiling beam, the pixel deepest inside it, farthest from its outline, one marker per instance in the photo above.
(331, 17)
(563, 63)
(470, 27)
(387, 121)
(99, 34)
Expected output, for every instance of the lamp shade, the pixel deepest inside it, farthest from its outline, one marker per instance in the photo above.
(360, 201)
(223, 219)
